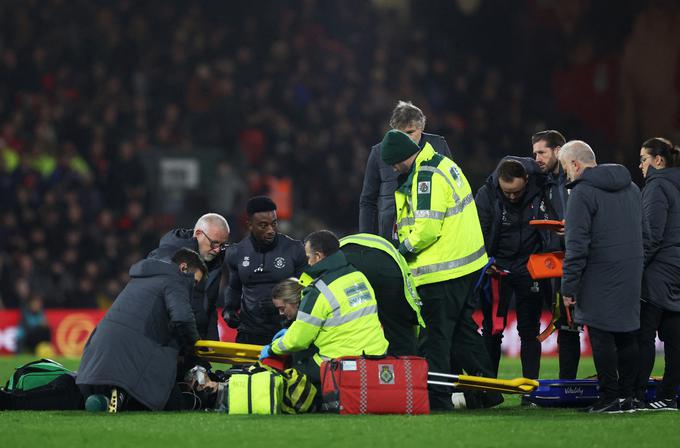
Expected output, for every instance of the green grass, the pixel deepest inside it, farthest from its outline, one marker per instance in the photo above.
(506, 426)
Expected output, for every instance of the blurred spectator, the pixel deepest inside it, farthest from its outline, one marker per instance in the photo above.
(291, 93)
(33, 328)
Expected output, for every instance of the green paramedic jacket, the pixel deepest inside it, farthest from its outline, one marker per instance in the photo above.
(380, 243)
(338, 313)
(437, 221)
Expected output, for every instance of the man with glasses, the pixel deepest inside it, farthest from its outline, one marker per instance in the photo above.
(256, 264)
(209, 238)
(376, 204)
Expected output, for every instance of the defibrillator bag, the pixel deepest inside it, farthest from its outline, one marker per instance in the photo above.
(254, 391)
(42, 385)
(375, 385)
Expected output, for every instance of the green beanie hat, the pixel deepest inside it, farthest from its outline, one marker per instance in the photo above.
(396, 147)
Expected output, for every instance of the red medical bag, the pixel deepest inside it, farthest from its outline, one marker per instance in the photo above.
(375, 385)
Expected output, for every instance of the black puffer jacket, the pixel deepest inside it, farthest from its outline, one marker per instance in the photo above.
(661, 205)
(604, 256)
(508, 237)
(204, 298)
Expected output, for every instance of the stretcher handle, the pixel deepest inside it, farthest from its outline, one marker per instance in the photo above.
(524, 389)
(491, 382)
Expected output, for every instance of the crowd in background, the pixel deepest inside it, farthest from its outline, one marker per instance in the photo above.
(296, 90)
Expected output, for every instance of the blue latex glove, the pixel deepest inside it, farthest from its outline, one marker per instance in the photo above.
(279, 334)
(266, 352)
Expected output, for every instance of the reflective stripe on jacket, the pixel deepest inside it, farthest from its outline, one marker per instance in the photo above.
(379, 243)
(437, 221)
(338, 313)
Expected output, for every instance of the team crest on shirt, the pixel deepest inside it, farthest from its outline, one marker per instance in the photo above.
(246, 262)
(279, 262)
(424, 187)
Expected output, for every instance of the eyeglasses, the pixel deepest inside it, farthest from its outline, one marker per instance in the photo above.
(214, 244)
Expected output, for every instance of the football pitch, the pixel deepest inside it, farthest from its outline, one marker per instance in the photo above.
(506, 426)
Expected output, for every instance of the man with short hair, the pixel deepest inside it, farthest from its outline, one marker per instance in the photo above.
(440, 237)
(511, 197)
(603, 268)
(209, 238)
(546, 148)
(376, 204)
(338, 312)
(135, 346)
(256, 264)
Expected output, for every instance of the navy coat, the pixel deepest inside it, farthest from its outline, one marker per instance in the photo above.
(507, 234)
(661, 205)
(604, 254)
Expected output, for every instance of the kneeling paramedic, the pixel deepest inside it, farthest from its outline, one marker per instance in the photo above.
(338, 312)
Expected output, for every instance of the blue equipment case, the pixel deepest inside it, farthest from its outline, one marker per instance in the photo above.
(574, 393)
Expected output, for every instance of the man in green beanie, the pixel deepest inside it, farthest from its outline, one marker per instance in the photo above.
(440, 237)
(376, 203)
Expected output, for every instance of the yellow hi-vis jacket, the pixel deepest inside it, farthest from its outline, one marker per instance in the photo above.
(338, 313)
(437, 221)
(380, 243)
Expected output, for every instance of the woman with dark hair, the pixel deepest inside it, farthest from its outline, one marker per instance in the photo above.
(660, 307)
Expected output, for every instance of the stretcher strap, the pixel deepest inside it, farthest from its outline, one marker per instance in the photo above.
(497, 322)
(570, 320)
(552, 326)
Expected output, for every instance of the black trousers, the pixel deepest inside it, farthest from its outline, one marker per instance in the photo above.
(616, 362)
(568, 340)
(528, 310)
(667, 323)
(451, 331)
(398, 319)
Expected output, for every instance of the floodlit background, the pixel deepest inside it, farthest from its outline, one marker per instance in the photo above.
(122, 119)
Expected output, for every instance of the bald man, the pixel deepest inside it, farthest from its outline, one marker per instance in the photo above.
(209, 238)
(603, 268)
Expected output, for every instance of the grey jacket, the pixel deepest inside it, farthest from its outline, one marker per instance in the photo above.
(135, 346)
(377, 212)
(661, 205)
(604, 254)
(205, 294)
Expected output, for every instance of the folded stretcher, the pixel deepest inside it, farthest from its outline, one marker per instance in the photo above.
(574, 393)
